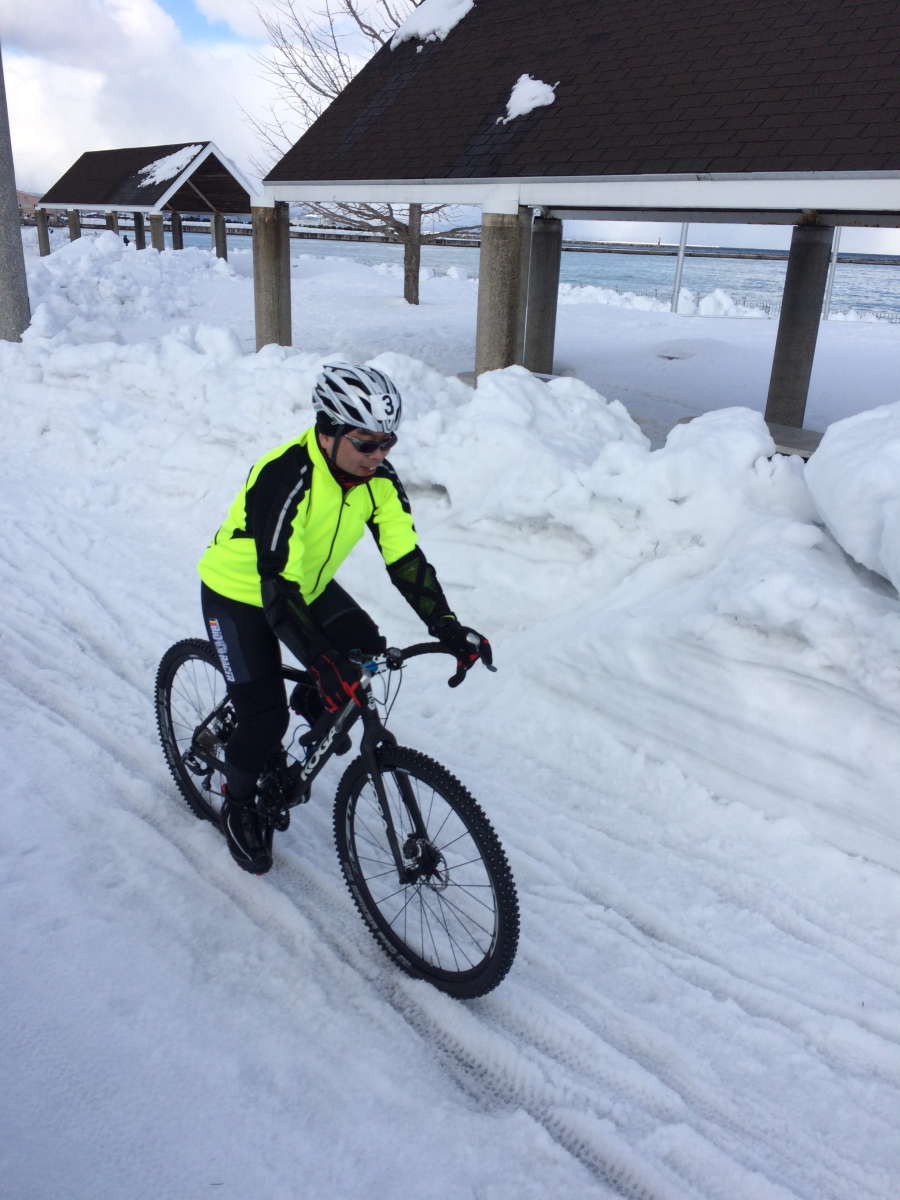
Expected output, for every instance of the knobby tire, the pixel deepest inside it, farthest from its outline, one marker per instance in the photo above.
(189, 686)
(457, 925)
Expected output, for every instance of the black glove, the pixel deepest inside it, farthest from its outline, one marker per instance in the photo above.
(338, 679)
(465, 643)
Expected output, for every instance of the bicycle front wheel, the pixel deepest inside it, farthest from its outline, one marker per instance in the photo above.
(190, 688)
(454, 918)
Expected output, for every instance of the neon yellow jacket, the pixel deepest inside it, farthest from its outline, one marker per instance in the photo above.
(292, 520)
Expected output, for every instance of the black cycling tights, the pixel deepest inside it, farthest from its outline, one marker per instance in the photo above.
(250, 655)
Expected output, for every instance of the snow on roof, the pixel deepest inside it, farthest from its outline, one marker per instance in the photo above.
(433, 19)
(167, 168)
(527, 94)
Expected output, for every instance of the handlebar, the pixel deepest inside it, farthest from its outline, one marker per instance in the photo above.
(394, 658)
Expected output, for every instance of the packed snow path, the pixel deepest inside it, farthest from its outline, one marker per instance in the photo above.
(705, 999)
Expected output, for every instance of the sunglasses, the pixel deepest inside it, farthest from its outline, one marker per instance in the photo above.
(371, 447)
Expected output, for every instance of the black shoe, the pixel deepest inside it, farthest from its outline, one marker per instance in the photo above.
(248, 834)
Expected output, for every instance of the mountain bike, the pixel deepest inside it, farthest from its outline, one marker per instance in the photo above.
(425, 868)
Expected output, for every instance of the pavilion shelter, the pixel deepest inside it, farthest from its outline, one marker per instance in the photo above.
(150, 182)
(760, 111)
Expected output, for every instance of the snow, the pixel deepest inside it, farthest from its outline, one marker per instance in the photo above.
(171, 165)
(691, 739)
(432, 21)
(855, 478)
(527, 94)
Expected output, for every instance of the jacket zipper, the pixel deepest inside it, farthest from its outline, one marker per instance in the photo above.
(337, 527)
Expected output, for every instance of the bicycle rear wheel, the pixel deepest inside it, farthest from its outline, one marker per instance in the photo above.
(190, 687)
(456, 922)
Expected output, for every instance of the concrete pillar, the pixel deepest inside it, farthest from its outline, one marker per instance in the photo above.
(272, 274)
(543, 293)
(177, 232)
(42, 220)
(140, 241)
(157, 231)
(112, 221)
(499, 292)
(525, 220)
(218, 236)
(798, 326)
(74, 224)
(15, 313)
(412, 255)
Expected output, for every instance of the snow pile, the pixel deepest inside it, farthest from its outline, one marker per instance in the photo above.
(85, 285)
(855, 479)
(432, 21)
(528, 94)
(690, 304)
(168, 167)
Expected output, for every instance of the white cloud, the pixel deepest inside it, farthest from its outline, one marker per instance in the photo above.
(239, 15)
(95, 74)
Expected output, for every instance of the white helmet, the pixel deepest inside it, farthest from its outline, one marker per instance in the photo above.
(358, 397)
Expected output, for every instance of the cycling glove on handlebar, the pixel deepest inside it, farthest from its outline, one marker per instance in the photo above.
(338, 680)
(467, 644)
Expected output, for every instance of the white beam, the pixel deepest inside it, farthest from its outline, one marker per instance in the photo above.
(855, 192)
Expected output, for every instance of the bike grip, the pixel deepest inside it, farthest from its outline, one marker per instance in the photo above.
(458, 677)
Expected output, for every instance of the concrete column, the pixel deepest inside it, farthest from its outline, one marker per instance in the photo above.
(157, 231)
(218, 236)
(525, 223)
(543, 293)
(499, 292)
(74, 224)
(272, 275)
(798, 326)
(112, 221)
(412, 255)
(177, 232)
(42, 220)
(15, 312)
(140, 241)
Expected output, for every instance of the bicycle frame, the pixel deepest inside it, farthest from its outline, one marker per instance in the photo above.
(375, 734)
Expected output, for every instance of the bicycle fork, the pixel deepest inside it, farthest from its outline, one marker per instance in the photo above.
(375, 735)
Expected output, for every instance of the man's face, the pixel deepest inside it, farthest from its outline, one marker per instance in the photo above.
(349, 458)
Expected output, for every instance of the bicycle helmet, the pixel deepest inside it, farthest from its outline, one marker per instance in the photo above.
(357, 398)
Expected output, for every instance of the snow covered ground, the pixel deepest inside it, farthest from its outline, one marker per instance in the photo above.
(692, 736)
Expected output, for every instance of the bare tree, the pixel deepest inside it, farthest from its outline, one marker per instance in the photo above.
(314, 54)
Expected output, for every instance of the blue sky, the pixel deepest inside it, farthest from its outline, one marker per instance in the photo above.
(196, 28)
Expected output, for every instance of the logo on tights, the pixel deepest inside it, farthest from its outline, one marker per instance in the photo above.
(221, 648)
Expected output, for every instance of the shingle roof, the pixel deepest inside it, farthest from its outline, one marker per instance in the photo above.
(645, 87)
(113, 178)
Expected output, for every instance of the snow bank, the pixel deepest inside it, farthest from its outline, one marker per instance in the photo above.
(690, 304)
(527, 94)
(432, 20)
(85, 285)
(168, 167)
(855, 479)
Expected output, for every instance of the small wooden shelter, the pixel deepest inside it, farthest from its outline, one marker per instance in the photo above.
(768, 111)
(150, 181)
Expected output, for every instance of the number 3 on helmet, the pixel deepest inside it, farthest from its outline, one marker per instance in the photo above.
(358, 397)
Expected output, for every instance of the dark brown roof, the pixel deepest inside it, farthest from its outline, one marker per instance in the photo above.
(645, 87)
(113, 177)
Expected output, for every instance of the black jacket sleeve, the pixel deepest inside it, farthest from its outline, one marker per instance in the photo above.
(416, 580)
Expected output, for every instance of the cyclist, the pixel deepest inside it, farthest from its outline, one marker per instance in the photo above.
(267, 577)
